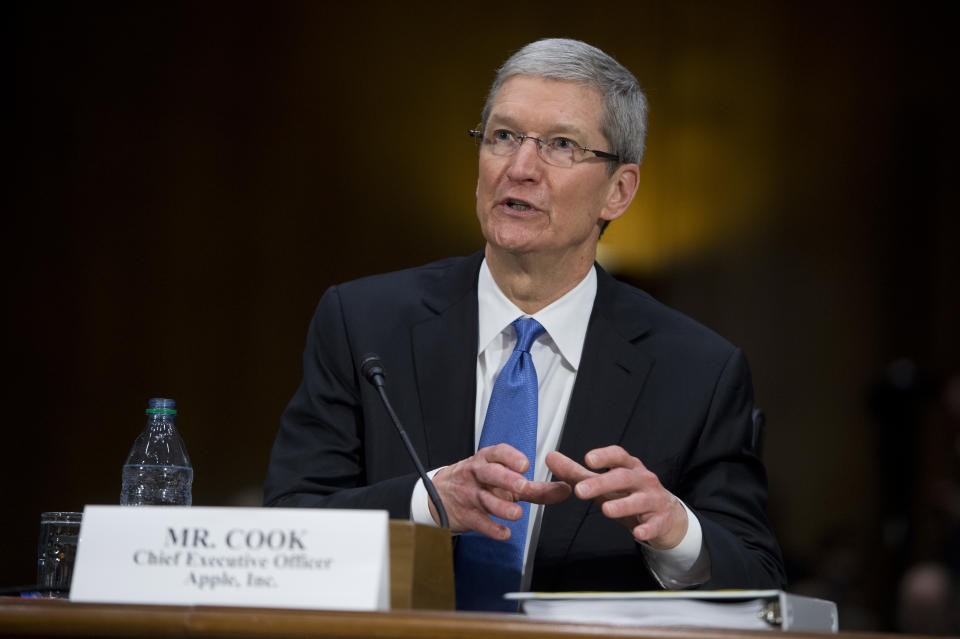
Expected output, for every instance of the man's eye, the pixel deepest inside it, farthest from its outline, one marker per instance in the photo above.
(563, 143)
(502, 135)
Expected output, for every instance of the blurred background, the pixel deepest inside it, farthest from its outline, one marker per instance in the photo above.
(186, 179)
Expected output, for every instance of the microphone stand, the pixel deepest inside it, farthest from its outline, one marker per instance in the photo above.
(372, 369)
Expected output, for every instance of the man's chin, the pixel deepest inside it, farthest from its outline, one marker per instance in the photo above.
(516, 235)
(512, 244)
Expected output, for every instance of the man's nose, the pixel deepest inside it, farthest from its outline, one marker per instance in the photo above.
(526, 163)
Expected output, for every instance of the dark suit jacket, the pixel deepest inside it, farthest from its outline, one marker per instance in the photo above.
(668, 390)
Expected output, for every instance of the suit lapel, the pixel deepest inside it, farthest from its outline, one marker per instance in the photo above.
(445, 363)
(609, 384)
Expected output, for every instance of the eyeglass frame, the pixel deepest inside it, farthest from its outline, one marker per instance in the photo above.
(477, 134)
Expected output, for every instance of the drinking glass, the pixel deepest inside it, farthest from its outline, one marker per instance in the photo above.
(56, 551)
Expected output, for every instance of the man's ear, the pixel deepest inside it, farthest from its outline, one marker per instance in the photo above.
(623, 187)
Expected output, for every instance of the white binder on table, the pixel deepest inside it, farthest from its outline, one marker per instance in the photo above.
(736, 609)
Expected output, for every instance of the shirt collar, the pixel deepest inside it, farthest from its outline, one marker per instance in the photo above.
(564, 319)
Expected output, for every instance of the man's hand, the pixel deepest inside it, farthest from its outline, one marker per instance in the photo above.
(628, 493)
(489, 483)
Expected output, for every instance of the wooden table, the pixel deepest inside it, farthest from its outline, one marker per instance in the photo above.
(51, 618)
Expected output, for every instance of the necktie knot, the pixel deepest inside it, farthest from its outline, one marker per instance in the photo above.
(528, 330)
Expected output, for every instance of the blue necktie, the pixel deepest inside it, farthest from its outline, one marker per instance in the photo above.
(487, 568)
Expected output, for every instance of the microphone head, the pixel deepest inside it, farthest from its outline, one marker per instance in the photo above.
(371, 367)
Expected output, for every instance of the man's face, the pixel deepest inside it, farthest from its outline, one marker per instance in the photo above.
(526, 205)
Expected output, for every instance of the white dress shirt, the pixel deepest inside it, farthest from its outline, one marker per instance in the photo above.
(556, 357)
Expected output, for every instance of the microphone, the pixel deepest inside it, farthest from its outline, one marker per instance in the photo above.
(372, 368)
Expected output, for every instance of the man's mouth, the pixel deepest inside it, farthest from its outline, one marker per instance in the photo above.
(518, 205)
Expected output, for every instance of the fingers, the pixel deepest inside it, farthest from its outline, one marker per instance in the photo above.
(545, 492)
(493, 475)
(480, 522)
(610, 457)
(506, 455)
(665, 528)
(636, 504)
(627, 474)
(504, 508)
(627, 492)
(487, 485)
(567, 470)
(616, 481)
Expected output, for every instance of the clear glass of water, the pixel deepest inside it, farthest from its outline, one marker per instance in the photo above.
(56, 552)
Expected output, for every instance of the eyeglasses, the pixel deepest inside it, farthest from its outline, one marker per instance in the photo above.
(558, 151)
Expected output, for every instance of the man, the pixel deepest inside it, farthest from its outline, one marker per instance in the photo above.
(639, 473)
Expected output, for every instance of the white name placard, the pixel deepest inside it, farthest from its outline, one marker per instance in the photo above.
(265, 557)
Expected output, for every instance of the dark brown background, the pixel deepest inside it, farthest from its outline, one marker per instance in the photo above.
(187, 179)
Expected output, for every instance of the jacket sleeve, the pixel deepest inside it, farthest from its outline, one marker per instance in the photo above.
(725, 484)
(318, 457)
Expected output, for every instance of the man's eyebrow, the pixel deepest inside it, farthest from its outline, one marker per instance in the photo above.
(504, 120)
(561, 128)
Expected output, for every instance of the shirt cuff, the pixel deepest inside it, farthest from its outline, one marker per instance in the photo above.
(420, 502)
(685, 565)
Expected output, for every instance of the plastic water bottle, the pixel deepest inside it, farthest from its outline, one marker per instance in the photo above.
(158, 470)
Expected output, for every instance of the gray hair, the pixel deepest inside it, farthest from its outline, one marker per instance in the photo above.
(624, 118)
